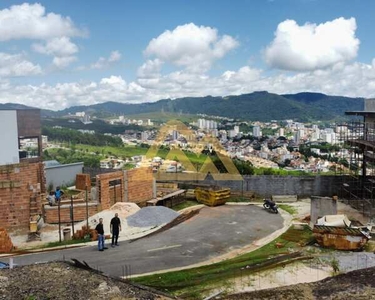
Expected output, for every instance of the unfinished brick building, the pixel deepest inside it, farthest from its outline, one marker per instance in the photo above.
(137, 186)
(21, 171)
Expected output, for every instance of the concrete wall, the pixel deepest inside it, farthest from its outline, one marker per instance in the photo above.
(321, 206)
(268, 185)
(9, 137)
(62, 174)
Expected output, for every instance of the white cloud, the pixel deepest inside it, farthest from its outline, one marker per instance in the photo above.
(311, 46)
(103, 62)
(61, 46)
(347, 79)
(150, 69)
(64, 61)
(30, 21)
(114, 56)
(15, 65)
(191, 46)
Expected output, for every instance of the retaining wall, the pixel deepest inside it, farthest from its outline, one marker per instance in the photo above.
(62, 174)
(268, 185)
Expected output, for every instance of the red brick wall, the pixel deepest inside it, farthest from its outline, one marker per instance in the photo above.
(18, 183)
(115, 194)
(6, 245)
(102, 182)
(136, 186)
(140, 185)
(83, 180)
(52, 213)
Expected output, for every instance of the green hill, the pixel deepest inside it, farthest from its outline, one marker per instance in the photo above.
(261, 106)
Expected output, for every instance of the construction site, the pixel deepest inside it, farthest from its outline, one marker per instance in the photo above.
(193, 237)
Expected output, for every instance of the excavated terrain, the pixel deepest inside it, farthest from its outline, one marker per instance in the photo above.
(64, 281)
(355, 285)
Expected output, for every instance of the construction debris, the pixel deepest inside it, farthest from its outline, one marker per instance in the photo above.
(212, 196)
(50, 281)
(6, 245)
(338, 232)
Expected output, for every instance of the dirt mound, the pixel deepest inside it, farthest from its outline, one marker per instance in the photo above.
(66, 282)
(124, 210)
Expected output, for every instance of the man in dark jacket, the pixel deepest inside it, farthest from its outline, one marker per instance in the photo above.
(115, 229)
(100, 230)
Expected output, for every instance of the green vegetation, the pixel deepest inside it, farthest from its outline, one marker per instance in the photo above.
(280, 172)
(335, 264)
(192, 282)
(289, 209)
(76, 137)
(98, 126)
(184, 204)
(65, 156)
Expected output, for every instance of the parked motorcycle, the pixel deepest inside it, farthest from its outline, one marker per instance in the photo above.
(270, 205)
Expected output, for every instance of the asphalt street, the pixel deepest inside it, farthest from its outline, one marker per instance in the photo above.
(213, 232)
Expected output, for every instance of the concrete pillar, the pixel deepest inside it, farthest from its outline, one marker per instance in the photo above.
(321, 206)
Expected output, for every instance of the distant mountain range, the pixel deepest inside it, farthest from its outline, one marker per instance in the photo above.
(260, 106)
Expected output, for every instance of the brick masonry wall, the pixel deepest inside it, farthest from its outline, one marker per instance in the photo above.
(52, 213)
(6, 245)
(83, 180)
(140, 185)
(135, 186)
(19, 183)
(102, 182)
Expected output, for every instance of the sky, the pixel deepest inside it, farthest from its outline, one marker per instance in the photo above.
(61, 53)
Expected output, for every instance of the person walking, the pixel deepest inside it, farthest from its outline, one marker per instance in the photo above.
(115, 229)
(101, 238)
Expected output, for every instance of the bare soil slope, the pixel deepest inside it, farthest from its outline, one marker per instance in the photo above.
(354, 285)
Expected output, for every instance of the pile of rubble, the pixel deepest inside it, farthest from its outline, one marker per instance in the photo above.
(66, 282)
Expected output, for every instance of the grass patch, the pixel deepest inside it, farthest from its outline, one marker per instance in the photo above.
(189, 283)
(289, 209)
(184, 204)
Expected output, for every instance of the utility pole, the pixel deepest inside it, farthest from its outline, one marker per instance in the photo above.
(58, 209)
(72, 213)
(87, 210)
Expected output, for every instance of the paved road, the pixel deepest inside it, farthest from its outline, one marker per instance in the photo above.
(213, 232)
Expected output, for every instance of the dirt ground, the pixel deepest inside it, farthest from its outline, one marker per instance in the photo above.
(64, 281)
(303, 210)
(356, 285)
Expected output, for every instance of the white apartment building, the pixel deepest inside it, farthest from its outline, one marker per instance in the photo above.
(256, 131)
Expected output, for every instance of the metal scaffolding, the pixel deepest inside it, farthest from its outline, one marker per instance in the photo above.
(358, 154)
